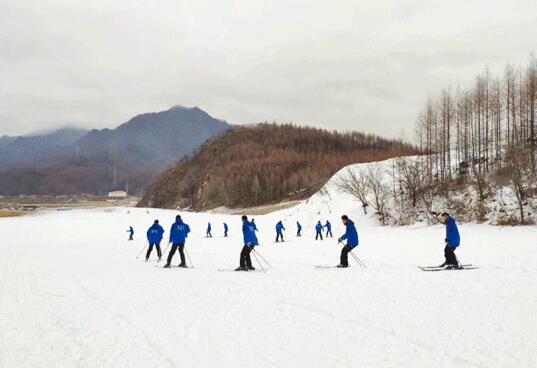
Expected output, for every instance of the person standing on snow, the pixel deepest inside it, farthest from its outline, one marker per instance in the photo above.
(351, 235)
(178, 234)
(154, 237)
(226, 229)
(250, 240)
(328, 227)
(131, 233)
(209, 228)
(279, 231)
(319, 231)
(453, 240)
(298, 229)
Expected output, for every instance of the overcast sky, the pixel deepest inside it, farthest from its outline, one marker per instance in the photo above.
(358, 64)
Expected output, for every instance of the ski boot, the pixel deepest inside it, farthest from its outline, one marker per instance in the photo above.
(167, 265)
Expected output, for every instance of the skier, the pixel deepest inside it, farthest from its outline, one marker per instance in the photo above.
(453, 240)
(226, 229)
(328, 226)
(178, 234)
(298, 229)
(131, 233)
(319, 231)
(154, 237)
(250, 240)
(279, 231)
(351, 235)
(209, 227)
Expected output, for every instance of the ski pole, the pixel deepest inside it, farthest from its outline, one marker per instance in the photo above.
(360, 263)
(140, 252)
(260, 265)
(165, 250)
(263, 258)
(189, 260)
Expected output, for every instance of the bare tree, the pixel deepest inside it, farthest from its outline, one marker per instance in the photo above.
(380, 193)
(354, 184)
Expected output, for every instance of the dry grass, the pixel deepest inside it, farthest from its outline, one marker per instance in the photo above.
(8, 213)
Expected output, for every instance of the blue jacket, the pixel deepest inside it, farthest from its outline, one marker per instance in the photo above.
(319, 228)
(328, 226)
(154, 234)
(248, 231)
(279, 227)
(209, 227)
(226, 229)
(351, 235)
(299, 227)
(131, 231)
(254, 225)
(452, 233)
(179, 232)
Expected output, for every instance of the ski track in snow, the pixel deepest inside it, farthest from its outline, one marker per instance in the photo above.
(73, 294)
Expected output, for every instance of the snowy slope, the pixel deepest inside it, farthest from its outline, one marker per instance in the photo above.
(73, 294)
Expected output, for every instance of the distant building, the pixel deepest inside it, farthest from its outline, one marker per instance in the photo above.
(117, 194)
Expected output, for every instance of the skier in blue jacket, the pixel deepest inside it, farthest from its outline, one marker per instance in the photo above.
(178, 234)
(351, 235)
(279, 231)
(453, 240)
(131, 233)
(319, 231)
(154, 237)
(250, 240)
(298, 229)
(328, 227)
(226, 229)
(209, 228)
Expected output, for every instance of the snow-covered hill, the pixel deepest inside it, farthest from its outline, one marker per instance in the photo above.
(73, 294)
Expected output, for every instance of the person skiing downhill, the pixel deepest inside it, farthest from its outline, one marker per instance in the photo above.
(319, 231)
(298, 229)
(178, 234)
(131, 233)
(226, 229)
(209, 228)
(154, 237)
(453, 240)
(351, 235)
(250, 240)
(279, 231)
(328, 227)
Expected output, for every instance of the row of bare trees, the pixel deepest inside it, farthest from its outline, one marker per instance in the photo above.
(479, 127)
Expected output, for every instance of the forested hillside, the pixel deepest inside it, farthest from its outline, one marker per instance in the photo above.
(266, 163)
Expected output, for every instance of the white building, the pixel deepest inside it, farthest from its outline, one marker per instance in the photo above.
(117, 194)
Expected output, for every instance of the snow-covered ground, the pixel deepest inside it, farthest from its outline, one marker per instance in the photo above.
(73, 294)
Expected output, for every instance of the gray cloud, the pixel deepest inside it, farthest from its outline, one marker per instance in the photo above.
(339, 65)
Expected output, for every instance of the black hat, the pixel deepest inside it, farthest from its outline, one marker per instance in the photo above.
(156, 221)
(178, 217)
(345, 217)
(244, 218)
(445, 214)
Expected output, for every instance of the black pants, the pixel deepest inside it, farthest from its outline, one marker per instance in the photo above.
(279, 236)
(150, 249)
(246, 261)
(225, 234)
(329, 232)
(299, 233)
(319, 234)
(181, 253)
(130, 237)
(451, 258)
(344, 260)
(209, 235)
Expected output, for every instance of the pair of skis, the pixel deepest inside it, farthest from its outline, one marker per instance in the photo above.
(447, 268)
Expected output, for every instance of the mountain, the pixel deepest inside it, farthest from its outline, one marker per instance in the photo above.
(267, 163)
(153, 139)
(40, 147)
(71, 161)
